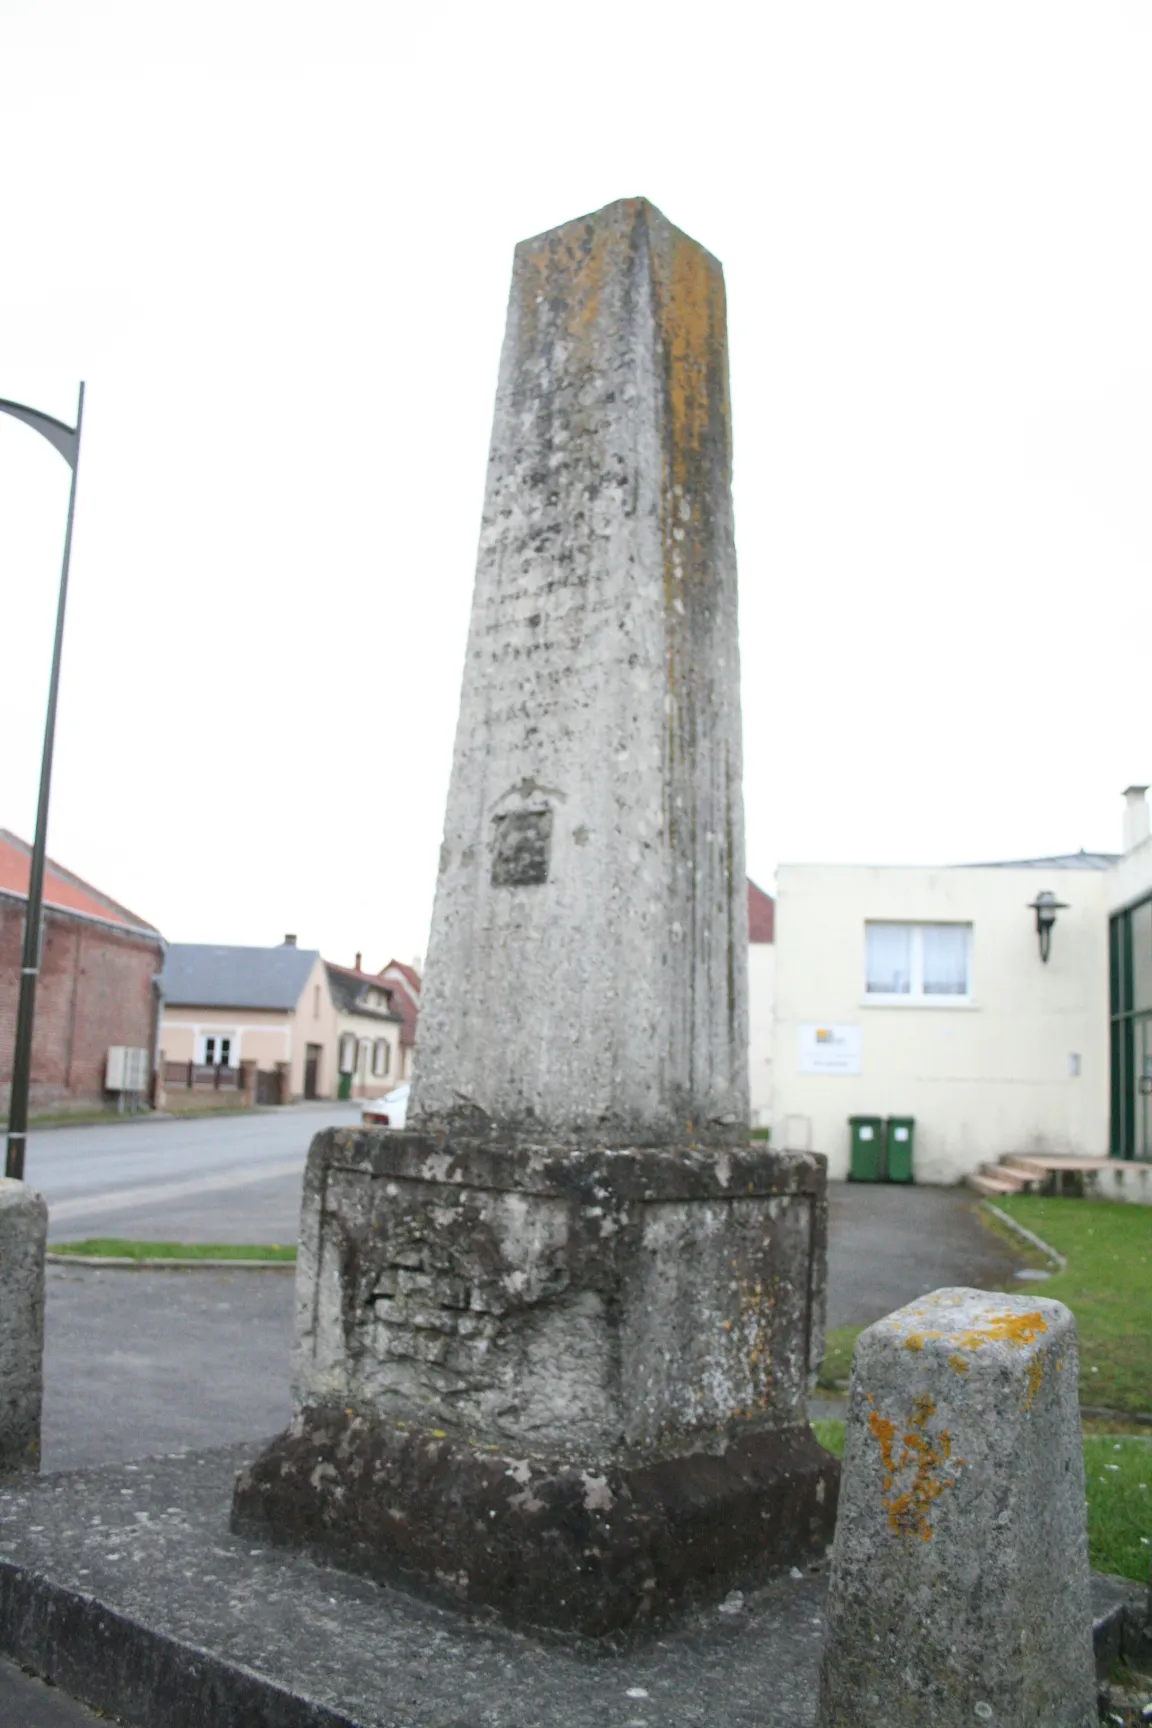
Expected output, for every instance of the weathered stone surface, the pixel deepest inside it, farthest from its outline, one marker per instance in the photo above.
(596, 1304)
(23, 1231)
(586, 973)
(571, 1546)
(960, 1583)
(568, 1386)
(554, 1343)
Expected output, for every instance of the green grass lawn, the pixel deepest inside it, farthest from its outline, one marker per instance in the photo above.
(113, 1248)
(1107, 1285)
(1118, 1488)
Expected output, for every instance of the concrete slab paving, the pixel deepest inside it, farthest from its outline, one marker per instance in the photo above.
(127, 1587)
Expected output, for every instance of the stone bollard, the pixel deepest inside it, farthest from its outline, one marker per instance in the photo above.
(959, 1587)
(23, 1230)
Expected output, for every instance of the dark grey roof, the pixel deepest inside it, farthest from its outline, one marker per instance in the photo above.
(348, 987)
(198, 975)
(1064, 861)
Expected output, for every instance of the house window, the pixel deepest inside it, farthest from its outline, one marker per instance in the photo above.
(316, 1002)
(918, 962)
(217, 1052)
(347, 1053)
(380, 1057)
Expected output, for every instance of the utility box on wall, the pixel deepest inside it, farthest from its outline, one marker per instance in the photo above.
(127, 1069)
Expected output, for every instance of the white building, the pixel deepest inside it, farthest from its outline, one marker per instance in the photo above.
(923, 992)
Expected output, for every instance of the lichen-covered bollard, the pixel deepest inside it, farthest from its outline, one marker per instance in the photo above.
(959, 1589)
(23, 1229)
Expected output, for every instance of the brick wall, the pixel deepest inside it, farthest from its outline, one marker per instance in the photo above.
(95, 990)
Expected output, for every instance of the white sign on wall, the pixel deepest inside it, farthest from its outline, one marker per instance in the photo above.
(830, 1049)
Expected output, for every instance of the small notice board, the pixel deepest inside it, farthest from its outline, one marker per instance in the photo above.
(831, 1049)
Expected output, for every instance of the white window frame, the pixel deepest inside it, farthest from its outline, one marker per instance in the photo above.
(348, 1047)
(915, 996)
(216, 1037)
(380, 1058)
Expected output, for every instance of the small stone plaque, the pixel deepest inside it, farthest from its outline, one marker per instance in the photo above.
(522, 848)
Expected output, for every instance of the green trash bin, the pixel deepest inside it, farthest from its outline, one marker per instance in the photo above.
(867, 1148)
(899, 1140)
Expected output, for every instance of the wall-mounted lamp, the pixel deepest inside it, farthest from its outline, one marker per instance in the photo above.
(1046, 907)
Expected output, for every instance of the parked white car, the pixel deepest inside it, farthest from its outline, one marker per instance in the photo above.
(391, 1111)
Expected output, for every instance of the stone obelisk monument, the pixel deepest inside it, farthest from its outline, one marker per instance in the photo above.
(586, 974)
(554, 1339)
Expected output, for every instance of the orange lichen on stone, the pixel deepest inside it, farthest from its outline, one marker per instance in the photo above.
(1035, 1380)
(1014, 1329)
(755, 1334)
(958, 1364)
(917, 1340)
(925, 1456)
(690, 300)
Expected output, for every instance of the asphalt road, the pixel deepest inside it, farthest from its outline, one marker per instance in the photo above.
(223, 1179)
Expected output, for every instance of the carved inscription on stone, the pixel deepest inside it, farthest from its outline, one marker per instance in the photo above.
(523, 843)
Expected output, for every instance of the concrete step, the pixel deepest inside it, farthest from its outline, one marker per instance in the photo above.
(991, 1181)
(1037, 1165)
(1019, 1180)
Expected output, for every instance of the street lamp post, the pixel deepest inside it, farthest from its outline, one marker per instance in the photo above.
(65, 439)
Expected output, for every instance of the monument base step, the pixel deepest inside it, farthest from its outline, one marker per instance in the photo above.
(593, 1550)
(125, 1587)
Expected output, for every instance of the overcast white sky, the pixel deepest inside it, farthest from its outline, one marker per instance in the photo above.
(276, 241)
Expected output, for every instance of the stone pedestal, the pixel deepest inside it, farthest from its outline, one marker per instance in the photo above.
(960, 1585)
(23, 1230)
(569, 1387)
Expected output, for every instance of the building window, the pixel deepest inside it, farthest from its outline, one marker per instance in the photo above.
(217, 1052)
(380, 1057)
(316, 1002)
(918, 962)
(347, 1053)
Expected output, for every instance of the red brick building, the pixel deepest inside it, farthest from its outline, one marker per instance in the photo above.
(97, 986)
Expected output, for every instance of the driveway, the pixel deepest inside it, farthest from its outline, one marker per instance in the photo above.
(139, 1362)
(889, 1244)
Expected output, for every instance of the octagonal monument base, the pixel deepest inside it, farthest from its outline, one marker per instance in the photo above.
(568, 1387)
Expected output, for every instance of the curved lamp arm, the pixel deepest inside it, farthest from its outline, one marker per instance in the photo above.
(65, 439)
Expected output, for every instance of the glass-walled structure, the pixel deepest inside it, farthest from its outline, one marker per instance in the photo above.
(1130, 972)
